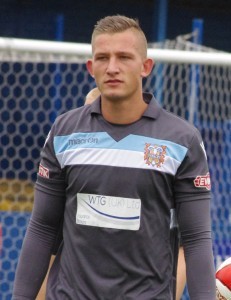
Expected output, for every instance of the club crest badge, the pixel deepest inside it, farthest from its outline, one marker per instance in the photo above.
(154, 155)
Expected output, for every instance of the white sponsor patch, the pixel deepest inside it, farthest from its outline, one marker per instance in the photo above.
(108, 212)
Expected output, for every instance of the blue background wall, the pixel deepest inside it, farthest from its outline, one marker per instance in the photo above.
(35, 19)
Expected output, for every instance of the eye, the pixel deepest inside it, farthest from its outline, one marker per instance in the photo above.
(101, 58)
(125, 57)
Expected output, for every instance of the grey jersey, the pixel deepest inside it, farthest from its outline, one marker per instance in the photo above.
(118, 184)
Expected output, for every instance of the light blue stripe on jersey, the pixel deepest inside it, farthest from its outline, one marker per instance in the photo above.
(102, 140)
(101, 149)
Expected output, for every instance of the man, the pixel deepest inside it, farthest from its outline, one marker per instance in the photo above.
(92, 96)
(113, 171)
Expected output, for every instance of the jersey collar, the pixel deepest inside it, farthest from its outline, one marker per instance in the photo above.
(152, 111)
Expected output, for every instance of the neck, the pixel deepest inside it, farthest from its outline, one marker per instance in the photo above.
(123, 112)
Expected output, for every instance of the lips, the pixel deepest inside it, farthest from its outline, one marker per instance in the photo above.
(113, 82)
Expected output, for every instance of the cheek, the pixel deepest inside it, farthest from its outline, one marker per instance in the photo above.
(136, 74)
(136, 70)
(98, 70)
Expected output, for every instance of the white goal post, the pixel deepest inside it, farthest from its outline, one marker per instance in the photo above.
(72, 50)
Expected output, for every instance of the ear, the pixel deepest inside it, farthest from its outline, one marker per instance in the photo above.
(89, 67)
(148, 65)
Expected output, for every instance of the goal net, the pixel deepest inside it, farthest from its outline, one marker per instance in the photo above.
(40, 80)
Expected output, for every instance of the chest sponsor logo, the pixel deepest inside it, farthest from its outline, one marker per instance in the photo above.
(154, 155)
(108, 211)
(44, 172)
(81, 141)
(203, 181)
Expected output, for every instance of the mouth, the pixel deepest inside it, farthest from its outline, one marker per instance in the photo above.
(113, 82)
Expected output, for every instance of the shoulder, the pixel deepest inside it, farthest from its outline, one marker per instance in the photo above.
(178, 122)
(177, 129)
(74, 113)
(75, 118)
(166, 121)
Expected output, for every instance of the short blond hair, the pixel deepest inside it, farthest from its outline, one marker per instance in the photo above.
(92, 95)
(117, 24)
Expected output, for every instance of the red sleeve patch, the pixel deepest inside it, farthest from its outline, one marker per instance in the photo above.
(44, 172)
(203, 181)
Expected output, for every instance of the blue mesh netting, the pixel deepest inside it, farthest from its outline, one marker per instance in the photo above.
(33, 94)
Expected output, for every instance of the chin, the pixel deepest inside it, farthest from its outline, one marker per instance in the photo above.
(113, 96)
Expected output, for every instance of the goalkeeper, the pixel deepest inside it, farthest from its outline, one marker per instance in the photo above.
(113, 171)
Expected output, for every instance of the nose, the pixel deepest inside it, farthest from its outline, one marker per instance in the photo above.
(112, 67)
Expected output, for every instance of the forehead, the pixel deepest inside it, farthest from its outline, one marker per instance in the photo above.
(126, 41)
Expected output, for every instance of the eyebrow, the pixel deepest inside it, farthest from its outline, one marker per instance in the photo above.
(117, 53)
